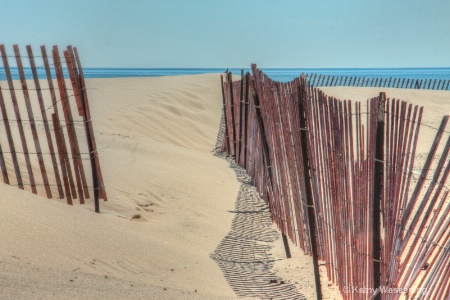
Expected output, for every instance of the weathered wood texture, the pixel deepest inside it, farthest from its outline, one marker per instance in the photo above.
(341, 139)
(62, 151)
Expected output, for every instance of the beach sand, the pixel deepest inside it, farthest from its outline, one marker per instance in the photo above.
(172, 202)
(157, 136)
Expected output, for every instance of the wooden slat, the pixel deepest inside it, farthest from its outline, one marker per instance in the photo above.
(76, 85)
(241, 106)
(37, 144)
(313, 79)
(434, 84)
(424, 172)
(226, 137)
(65, 164)
(88, 121)
(3, 167)
(77, 163)
(45, 121)
(233, 119)
(9, 136)
(77, 91)
(18, 118)
(343, 183)
(65, 155)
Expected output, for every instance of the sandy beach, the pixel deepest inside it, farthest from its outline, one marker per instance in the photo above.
(172, 202)
(168, 206)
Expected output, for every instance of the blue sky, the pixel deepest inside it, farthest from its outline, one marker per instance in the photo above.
(235, 33)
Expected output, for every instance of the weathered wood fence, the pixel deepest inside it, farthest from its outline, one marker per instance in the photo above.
(319, 80)
(340, 183)
(56, 165)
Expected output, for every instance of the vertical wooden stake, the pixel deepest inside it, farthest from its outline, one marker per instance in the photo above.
(265, 148)
(12, 148)
(378, 186)
(233, 124)
(246, 113)
(241, 99)
(45, 121)
(307, 178)
(73, 141)
(434, 83)
(3, 167)
(420, 84)
(34, 133)
(227, 137)
(65, 166)
(78, 91)
(88, 120)
(18, 119)
(62, 149)
(286, 245)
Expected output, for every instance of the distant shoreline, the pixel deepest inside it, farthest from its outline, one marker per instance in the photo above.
(280, 74)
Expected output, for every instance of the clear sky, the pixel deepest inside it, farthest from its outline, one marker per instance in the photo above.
(235, 33)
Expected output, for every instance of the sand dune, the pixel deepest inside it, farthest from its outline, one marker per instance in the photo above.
(171, 201)
(159, 135)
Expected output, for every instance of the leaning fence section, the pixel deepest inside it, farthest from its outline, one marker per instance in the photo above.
(342, 182)
(43, 116)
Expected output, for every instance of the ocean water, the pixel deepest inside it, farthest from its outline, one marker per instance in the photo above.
(276, 74)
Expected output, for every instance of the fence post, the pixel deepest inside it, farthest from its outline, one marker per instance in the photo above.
(239, 141)
(246, 106)
(307, 178)
(286, 245)
(378, 185)
(99, 185)
(230, 81)
(226, 136)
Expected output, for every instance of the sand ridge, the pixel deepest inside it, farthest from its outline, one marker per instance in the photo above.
(170, 200)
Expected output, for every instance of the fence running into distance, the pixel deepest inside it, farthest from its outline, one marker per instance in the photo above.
(319, 80)
(57, 165)
(340, 182)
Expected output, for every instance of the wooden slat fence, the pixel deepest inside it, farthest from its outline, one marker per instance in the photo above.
(45, 154)
(320, 80)
(271, 125)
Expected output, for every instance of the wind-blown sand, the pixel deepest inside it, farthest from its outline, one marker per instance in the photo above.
(160, 134)
(171, 202)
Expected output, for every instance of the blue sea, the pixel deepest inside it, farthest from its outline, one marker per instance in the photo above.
(276, 74)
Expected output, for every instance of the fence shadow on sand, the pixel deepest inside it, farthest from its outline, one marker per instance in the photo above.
(244, 253)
